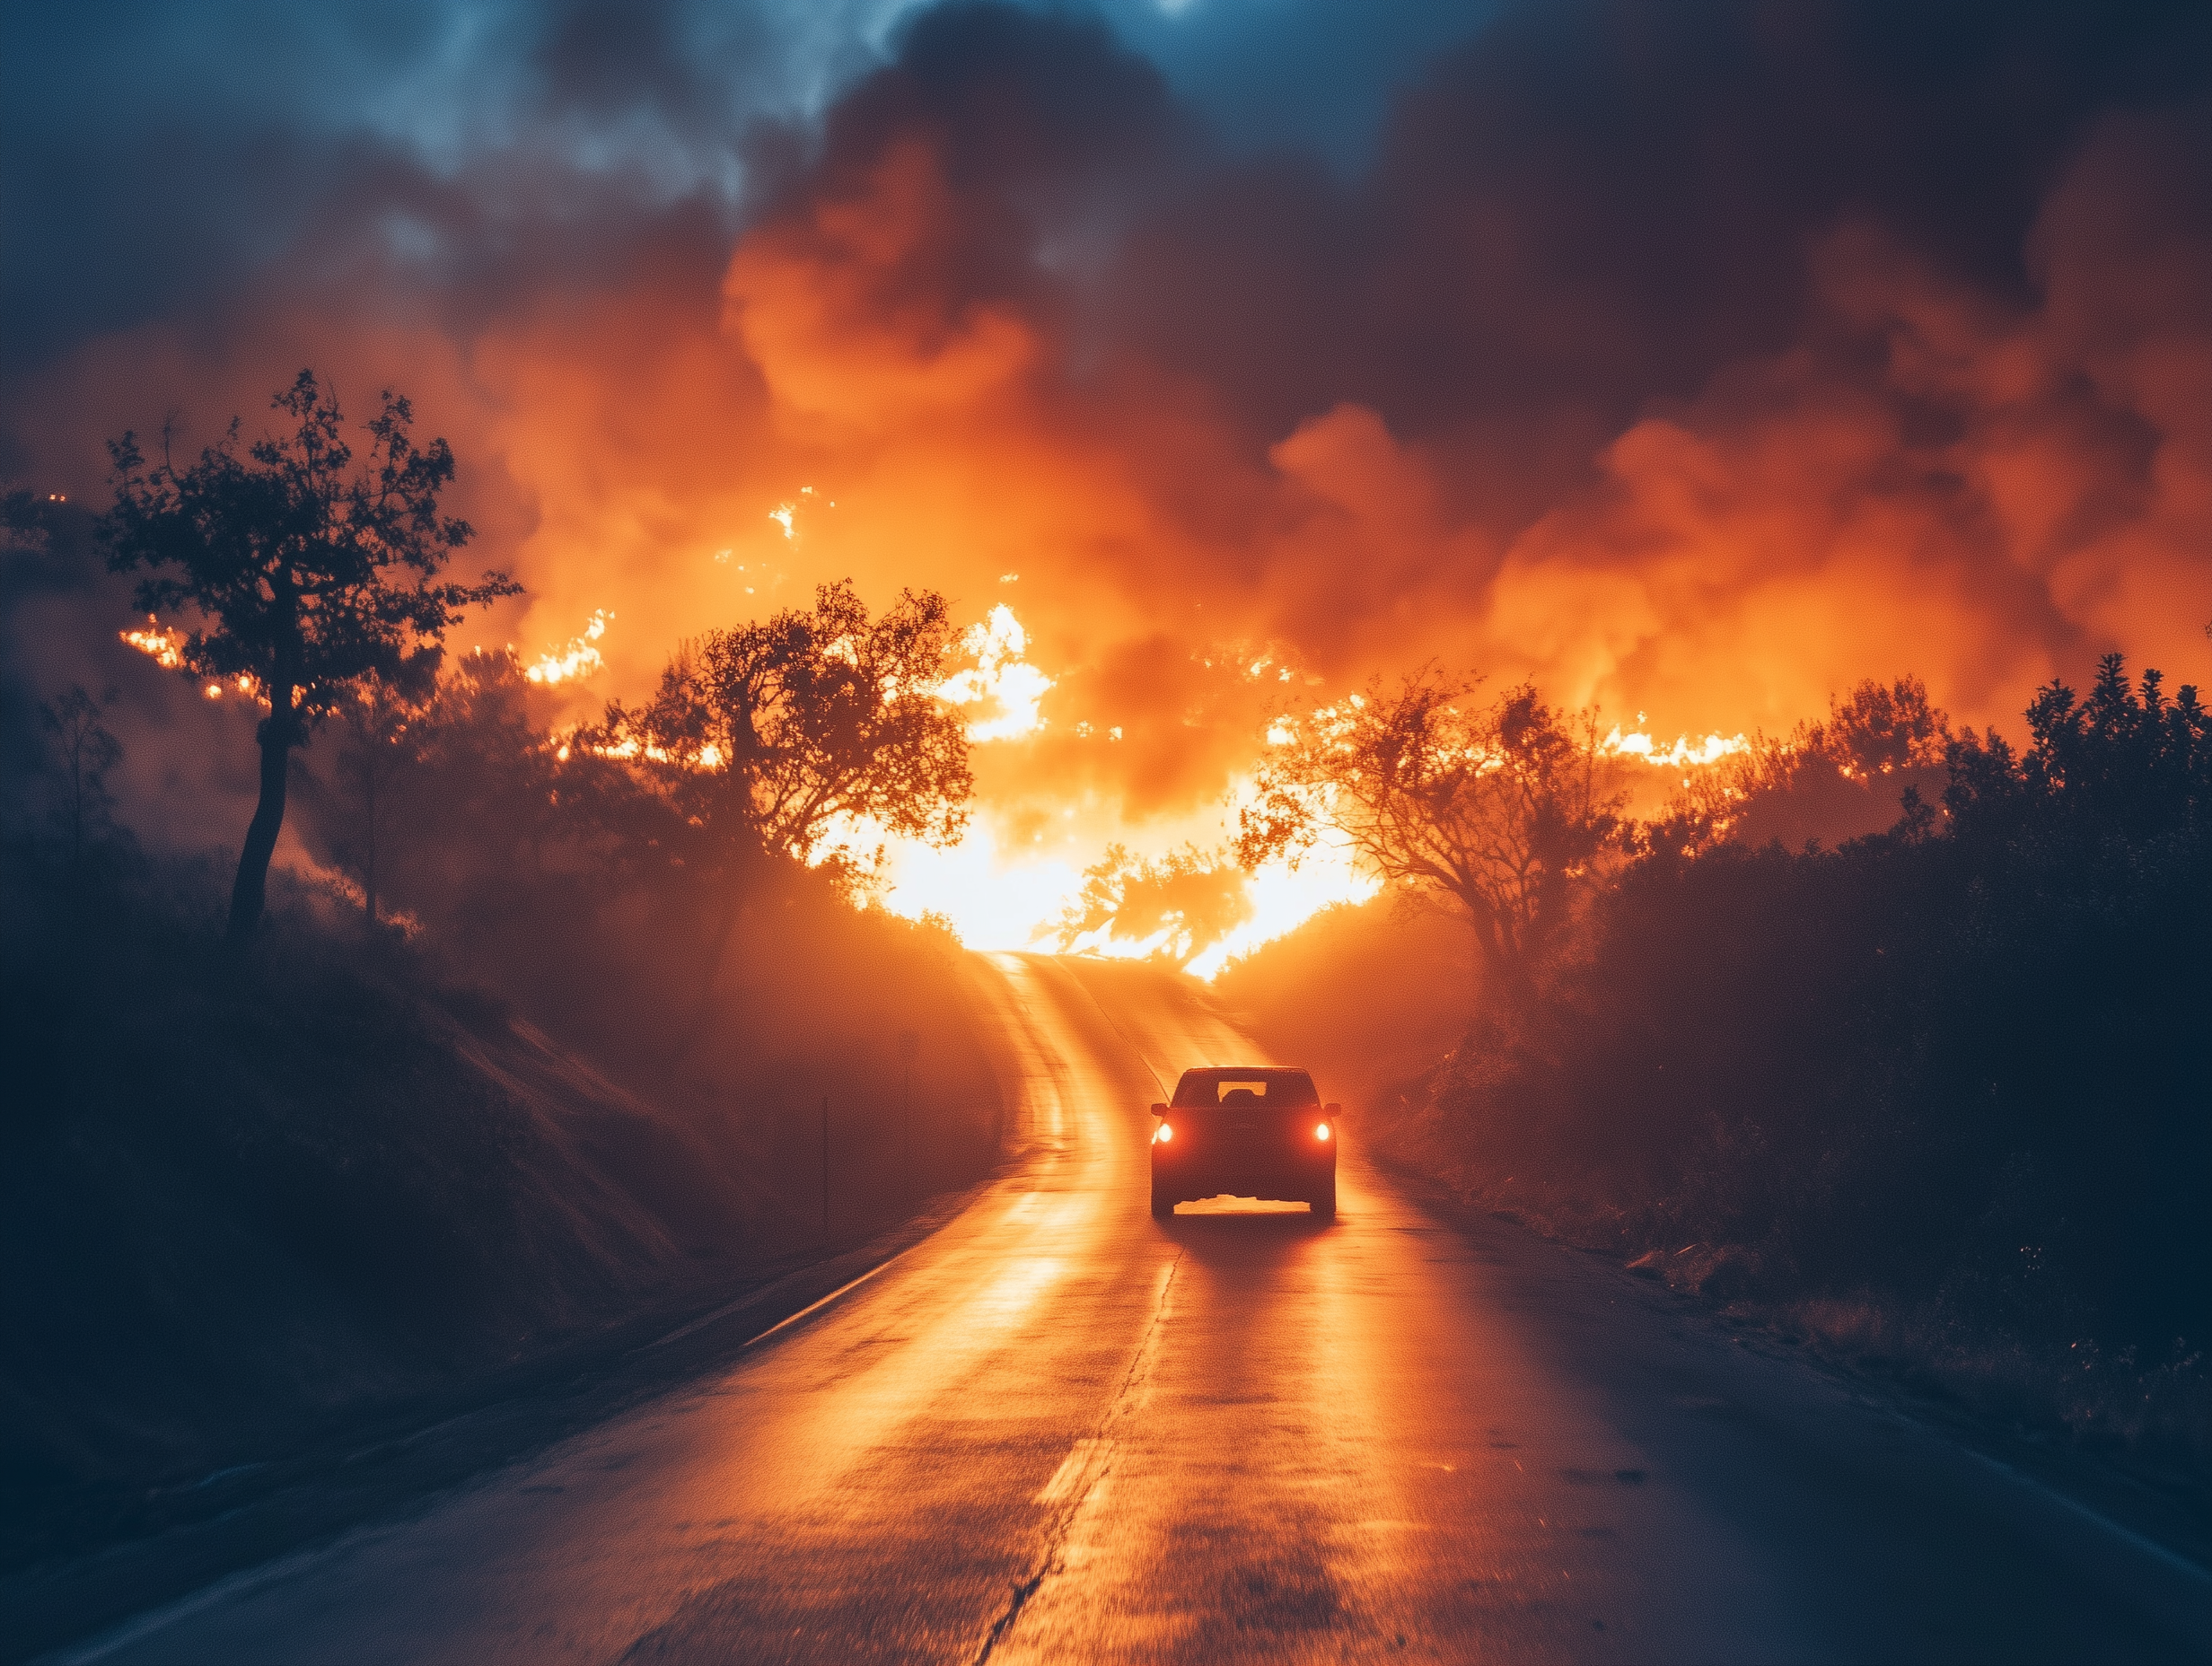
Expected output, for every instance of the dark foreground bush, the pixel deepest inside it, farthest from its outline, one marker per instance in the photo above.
(1942, 1094)
(1948, 1089)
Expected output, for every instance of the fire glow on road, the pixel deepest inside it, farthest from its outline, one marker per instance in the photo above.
(1057, 1430)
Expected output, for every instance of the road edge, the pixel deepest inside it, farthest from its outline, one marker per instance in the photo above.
(81, 1607)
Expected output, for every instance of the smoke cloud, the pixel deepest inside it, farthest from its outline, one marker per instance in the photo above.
(1696, 361)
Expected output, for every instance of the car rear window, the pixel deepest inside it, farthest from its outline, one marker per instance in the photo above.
(1276, 1090)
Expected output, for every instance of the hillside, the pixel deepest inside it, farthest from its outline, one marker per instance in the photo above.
(249, 1205)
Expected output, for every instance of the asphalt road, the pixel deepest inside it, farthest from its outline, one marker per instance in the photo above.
(1057, 1430)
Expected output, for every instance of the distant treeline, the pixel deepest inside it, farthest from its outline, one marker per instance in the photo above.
(1943, 1090)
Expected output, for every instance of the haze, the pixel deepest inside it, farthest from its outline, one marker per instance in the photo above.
(662, 663)
(1694, 364)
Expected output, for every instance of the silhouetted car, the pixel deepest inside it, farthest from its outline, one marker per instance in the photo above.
(1247, 1133)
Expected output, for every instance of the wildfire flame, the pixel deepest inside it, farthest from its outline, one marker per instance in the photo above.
(786, 514)
(1683, 755)
(628, 746)
(1001, 675)
(995, 902)
(163, 645)
(1284, 898)
(580, 658)
(709, 756)
(993, 897)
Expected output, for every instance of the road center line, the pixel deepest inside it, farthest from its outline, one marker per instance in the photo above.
(1075, 1482)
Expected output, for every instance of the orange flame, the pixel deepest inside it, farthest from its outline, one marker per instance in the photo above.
(1684, 755)
(1001, 677)
(580, 658)
(163, 645)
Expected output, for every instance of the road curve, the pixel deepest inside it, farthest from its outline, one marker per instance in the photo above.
(1057, 1430)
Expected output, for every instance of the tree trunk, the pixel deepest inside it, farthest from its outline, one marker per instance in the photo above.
(368, 867)
(76, 815)
(703, 1015)
(251, 889)
(743, 867)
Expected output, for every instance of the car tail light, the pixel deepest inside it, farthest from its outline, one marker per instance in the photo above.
(1321, 1132)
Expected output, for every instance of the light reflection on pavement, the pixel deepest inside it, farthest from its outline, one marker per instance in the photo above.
(1057, 1430)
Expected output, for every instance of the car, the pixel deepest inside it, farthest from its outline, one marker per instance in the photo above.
(1247, 1131)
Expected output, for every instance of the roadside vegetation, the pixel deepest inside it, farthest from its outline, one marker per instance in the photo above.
(541, 1038)
(1933, 1093)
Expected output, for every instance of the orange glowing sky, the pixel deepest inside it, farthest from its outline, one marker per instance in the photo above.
(1187, 434)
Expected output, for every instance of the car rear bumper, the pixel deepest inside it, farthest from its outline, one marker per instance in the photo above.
(1269, 1174)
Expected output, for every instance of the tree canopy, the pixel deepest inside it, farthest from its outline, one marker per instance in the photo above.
(297, 571)
(84, 750)
(1503, 808)
(767, 736)
(1838, 777)
(2126, 763)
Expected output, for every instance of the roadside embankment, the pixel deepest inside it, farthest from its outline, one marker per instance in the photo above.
(325, 1197)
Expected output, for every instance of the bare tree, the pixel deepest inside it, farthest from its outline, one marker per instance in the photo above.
(84, 750)
(1506, 808)
(303, 576)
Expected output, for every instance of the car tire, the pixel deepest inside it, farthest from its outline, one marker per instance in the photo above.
(1163, 1205)
(1323, 1202)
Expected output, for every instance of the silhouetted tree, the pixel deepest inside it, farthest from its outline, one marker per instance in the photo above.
(84, 750)
(1954, 1069)
(1842, 777)
(21, 531)
(1505, 809)
(301, 574)
(1190, 900)
(448, 803)
(766, 739)
(44, 538)
(2126, 765)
